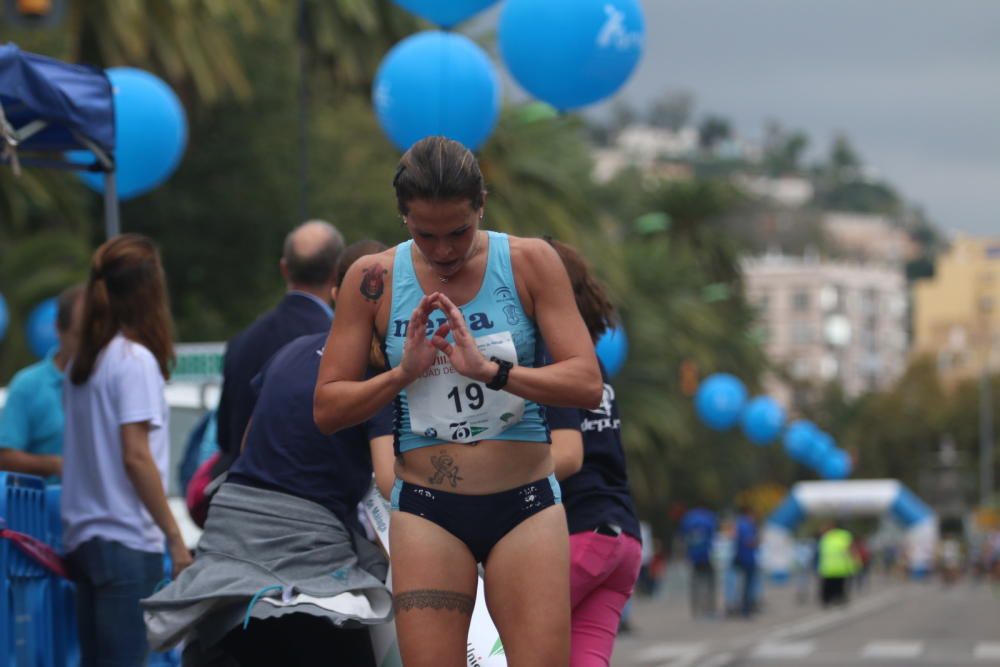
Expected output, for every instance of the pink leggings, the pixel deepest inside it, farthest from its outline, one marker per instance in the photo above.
(603, 571)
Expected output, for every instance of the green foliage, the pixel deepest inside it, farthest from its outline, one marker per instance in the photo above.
(672, 110)
(783, 150)
(896, 433)
(713, 129)
(680, 293)
(345, 40)
(538, 175)
(860, 197)
(32, 269)
(38, 200)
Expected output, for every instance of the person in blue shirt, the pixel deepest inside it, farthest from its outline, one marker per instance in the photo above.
(31, 424)
(746, 541)
(699, 527)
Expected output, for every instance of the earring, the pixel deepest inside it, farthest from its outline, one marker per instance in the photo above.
(403, 222)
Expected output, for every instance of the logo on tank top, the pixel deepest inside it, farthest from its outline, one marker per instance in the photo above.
(608, 395)
(504, 297)
(503, 293)
(603, 413)
(510, 312)
(476, 322)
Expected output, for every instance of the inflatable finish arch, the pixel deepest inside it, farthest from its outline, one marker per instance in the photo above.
(850, 498)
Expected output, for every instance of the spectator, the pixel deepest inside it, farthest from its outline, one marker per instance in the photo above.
(699, 527)
(805, 567)
(31, 424)
(308, 264)
(114, 504)
(836, 564)
(745, 558)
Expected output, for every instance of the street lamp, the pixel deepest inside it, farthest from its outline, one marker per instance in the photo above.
(986, 405)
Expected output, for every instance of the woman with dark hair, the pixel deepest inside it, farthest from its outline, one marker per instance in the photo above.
(473, 467)
(114, 505)
(605, 546)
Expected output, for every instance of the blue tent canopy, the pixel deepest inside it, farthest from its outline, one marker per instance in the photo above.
(48, 107)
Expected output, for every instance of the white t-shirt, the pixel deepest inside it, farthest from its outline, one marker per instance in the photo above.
(98, 499)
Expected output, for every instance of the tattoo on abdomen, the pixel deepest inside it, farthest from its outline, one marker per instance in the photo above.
(429, 598)
(373, 282)
(445, 469)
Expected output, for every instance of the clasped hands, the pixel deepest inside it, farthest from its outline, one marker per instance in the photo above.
(424, 342)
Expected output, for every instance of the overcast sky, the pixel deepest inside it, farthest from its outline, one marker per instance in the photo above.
(915, 84)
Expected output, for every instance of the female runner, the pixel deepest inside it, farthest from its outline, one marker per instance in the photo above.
(459, 311)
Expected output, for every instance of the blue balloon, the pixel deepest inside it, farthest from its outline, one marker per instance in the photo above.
(799, 440)
(823, 446)
(571, 53)
(719, 401)
(762, 420)
(40, 329)
(437, 83)
(445, 13)
(150, 133)
(612, 350)
(4, 317)
(838, 465)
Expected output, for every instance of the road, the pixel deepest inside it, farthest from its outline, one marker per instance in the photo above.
(893, 623)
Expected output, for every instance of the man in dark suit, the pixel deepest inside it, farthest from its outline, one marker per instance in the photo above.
(308, 263)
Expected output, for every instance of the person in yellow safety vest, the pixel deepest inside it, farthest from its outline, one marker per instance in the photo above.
(836, 563)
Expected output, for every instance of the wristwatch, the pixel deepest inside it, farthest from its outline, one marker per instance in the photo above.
(500, 379)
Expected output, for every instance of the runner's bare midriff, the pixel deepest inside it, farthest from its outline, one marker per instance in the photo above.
(487, 467)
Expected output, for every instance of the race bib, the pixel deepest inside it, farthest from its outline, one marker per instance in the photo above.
(448, 406)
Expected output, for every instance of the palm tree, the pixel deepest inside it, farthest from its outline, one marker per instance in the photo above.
(344, 40)
(538, 175)
(679, 289)
(32, 269)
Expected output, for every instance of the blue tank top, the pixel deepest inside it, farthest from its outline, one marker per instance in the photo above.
(496, 308)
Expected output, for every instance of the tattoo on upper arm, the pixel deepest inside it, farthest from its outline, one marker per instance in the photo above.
(445, 469)
(434, 599)
(373, 282)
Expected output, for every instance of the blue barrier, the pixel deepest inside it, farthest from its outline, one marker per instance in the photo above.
(37, 608)
(24, 604)
(62, 593)
(62, 597)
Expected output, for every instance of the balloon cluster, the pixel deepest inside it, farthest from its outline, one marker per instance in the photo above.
(721, 402)
(566, 53)
(150, 133)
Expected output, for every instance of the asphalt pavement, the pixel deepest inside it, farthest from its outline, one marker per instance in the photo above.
(891, 622)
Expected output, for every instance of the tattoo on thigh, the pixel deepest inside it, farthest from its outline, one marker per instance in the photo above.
(445, 469)
(434, 599)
